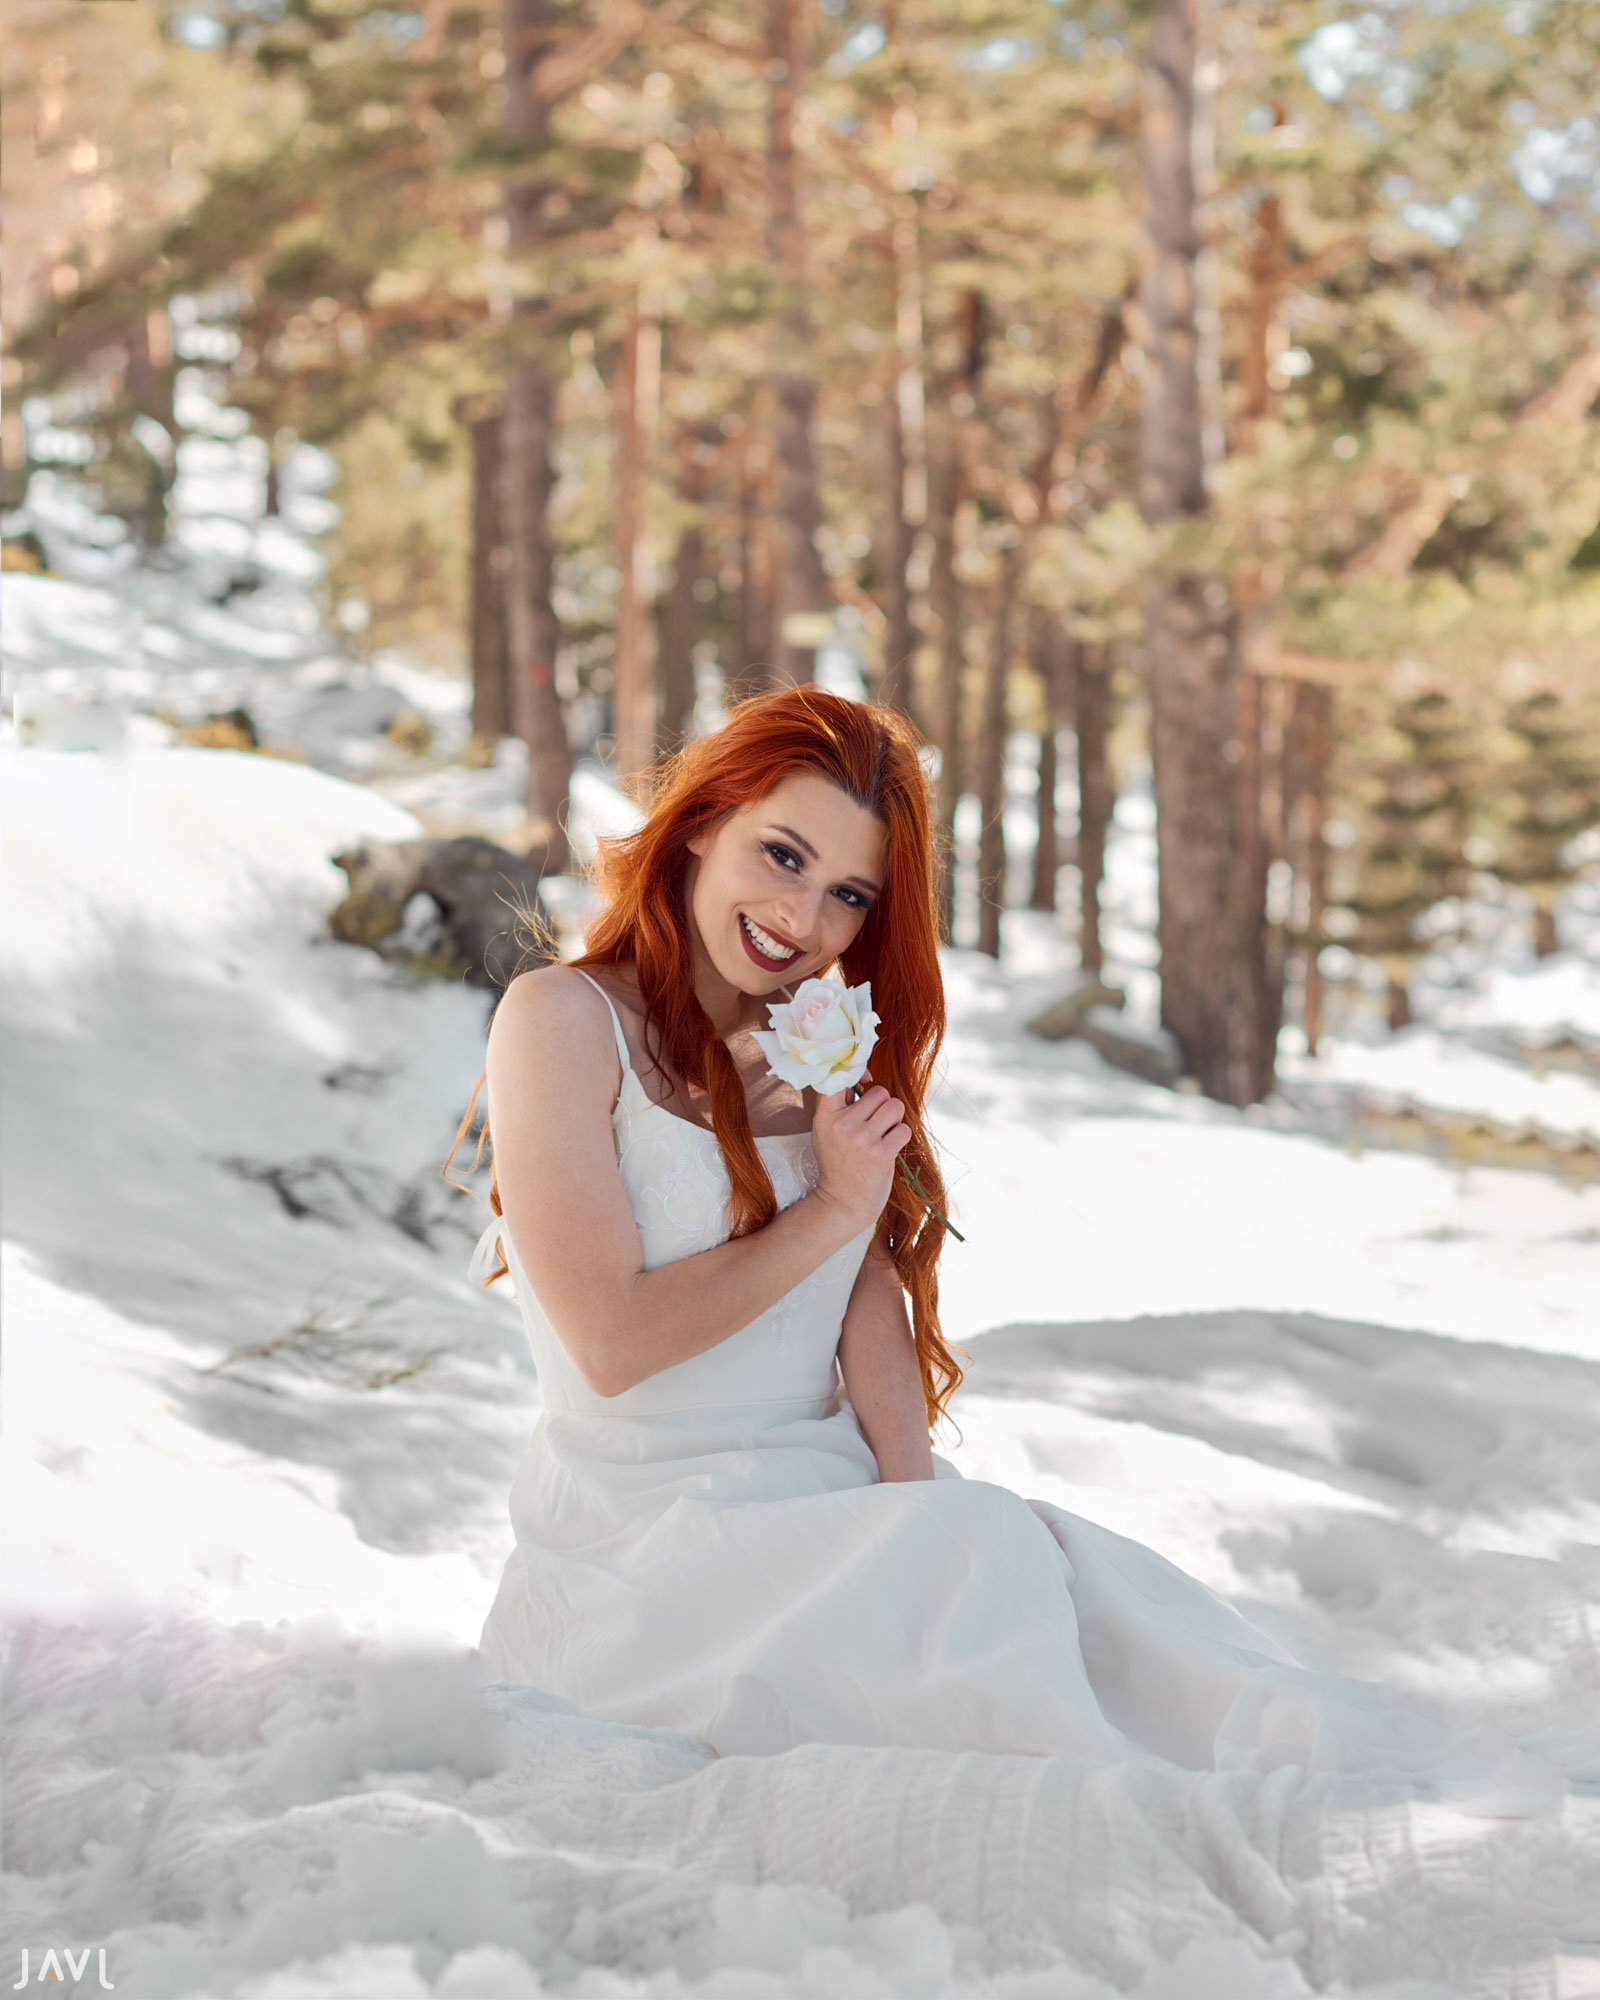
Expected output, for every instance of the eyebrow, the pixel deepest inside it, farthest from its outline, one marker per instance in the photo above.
(855, 881)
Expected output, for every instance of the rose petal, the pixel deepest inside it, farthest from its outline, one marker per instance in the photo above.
(822, 1037)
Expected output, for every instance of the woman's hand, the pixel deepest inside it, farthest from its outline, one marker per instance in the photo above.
(554, 1072)
(856, 1144)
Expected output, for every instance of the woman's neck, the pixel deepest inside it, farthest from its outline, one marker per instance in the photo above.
(728, 1009)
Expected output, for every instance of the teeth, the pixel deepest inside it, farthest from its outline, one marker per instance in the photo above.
(767, 945)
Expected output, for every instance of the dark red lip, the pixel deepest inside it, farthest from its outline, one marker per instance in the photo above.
(755, 956)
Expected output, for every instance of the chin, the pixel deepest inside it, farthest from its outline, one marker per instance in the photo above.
(756, 980)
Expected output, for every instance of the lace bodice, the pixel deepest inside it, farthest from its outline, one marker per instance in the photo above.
(677, 1187)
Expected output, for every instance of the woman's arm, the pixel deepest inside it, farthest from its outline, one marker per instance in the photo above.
(881, 1373)
(553, 1076)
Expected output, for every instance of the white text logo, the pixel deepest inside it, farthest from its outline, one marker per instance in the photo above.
(50, 1967)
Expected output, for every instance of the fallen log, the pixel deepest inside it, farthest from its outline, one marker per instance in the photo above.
(1093, 1013)
(456, 909)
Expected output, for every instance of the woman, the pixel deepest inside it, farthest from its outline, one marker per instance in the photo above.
(729, 1521)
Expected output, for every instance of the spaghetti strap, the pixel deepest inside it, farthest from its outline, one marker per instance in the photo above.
(495, 1237)
(622, 1040)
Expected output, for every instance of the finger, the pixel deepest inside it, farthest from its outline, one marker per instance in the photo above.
(888, 1114)
(899, 1137)
(873, 1100)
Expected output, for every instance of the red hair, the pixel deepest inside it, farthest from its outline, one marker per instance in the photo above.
(872, 755)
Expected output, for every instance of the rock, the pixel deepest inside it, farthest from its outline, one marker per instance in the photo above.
(1094, 1014)
(232, 729)
(25, 554)
(1065, 1017)
(454, 908)
(410, 732)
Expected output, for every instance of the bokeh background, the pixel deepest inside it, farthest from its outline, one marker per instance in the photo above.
(943, 353)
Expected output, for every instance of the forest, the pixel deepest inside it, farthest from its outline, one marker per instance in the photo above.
(1208, 385)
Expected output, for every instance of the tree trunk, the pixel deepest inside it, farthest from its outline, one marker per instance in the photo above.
(1260, 779)
(947, 493)
(1047, 849)
(1249, 777)
(1311, 739)
(738, 667)
(801, 592)
(151, 378)
(526, 479)
(13, 456)
(526, 470)
(681, 623)
(752, 666)
(1546, 941)
(1046, 644)
(491, 693)
(946, 597)
(991, 773)
(1091, 717)
(1211, 921)
(894, 556)
(633, 689)
(906, 497)
(1266, 264)
(1399, 1003)
(1317, 707)
(675, 684)
(150, 384)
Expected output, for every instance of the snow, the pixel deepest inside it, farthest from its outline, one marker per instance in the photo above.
(1420, 1065)
(1136, 1199)
(1561, 996)
(250, 1749)
(1357, 1393)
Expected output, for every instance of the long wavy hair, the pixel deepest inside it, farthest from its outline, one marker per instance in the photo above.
(873, 755)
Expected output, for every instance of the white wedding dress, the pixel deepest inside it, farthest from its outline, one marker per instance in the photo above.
(712, 1551)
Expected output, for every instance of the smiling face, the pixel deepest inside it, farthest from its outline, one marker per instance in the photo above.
(780, 888)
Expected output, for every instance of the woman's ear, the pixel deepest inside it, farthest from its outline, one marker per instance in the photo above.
(697, 843)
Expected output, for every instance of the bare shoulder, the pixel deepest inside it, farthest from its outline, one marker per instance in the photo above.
(547, 995)
(554, 1017)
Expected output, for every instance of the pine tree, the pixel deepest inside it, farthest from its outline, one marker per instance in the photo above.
(1422, 803)
(1553, 782)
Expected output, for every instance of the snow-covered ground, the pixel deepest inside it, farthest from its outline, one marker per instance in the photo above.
(1357, 1393)
(258, 1434)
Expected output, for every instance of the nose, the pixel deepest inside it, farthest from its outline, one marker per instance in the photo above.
(799, 911)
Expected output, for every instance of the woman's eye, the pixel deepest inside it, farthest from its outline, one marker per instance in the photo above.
(785, 857)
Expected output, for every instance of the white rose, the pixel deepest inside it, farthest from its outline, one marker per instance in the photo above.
(821, 1039)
